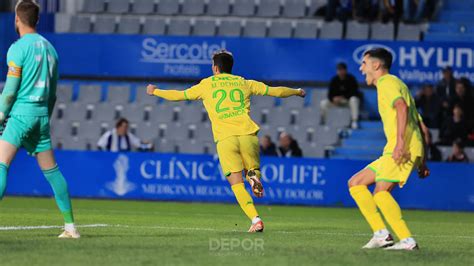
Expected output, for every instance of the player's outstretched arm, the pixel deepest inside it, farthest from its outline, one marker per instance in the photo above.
(170, 95)
(284, 92)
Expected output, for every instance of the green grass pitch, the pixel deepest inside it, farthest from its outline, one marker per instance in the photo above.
(159, 233)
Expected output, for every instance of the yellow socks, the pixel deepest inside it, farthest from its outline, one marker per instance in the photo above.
(367, 206)
(392, 213)
(245, 201)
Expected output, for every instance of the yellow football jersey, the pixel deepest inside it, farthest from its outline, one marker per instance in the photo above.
(389, 89)
(226, 98)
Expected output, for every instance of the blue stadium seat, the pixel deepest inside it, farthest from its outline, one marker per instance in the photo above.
(357, 31)
(118, 6)
(245, 8)
(230, 28)
(93, 6)
(193, 7)
(269, 8)
(154, 26)
(81, 24)
(129, 25)
(280, 29)
(294, 8)
(306, 30)
(168, 7)
(204, 27)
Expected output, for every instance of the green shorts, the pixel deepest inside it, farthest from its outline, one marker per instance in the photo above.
(29, 132)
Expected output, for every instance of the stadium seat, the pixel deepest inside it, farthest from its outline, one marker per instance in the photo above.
(93, 6)
(338, 117)
(331, 30)
(118, 94)
(192, 147)
(293, 102)
(75, 144)
(105, 112)
(89, 130)
(317, 95)
(310, 116)
(204, 132)
(191, 114)
(313, 150)
(382, 31)
(245, 8)
(64, 93)
(75, 112)
(204, 27)
(179, 27)
(262, 102)
(81, 24)
(90, 93)
(357, 31)
(129, 25)
(168, 7)
(306, 30)
(105, 24)
(135, 113)
(143, 6)
(162, 114)
(118, 6)
(218, 7)
(154, 26)
(294, 8)
(229, 28)
(147, 131)
(326, 135)
(193, 7)
(164, 145)
(269, 8)
(280, 29)
(408, 32)
(445, 152)
(255, 28)
(144, 99)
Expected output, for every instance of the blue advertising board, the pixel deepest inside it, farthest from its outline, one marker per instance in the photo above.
(180, 177)
(142, 56)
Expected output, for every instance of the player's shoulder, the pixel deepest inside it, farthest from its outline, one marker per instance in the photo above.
(389, 80)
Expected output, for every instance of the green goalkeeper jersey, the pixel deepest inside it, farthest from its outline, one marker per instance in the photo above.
(33, 62)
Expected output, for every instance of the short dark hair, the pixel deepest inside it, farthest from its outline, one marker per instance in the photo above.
(341, 65)
(224, 60)
(28, 12)
(381, 54)
(120, 122)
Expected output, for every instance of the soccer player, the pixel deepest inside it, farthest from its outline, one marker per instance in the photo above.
(226, 98)
(28, 100)
(403, 152)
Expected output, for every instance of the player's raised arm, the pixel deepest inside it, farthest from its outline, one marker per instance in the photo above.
(423, 170)
(260, 88)
(192, 93)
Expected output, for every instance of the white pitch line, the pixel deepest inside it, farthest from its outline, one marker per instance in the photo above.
(160, 227)
(40, 227)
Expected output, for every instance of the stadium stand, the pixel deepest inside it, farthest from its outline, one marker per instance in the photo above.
(293, 18)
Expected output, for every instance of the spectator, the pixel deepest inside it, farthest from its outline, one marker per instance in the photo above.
(288, 146)
(433, 153)
(414, 10)
(429, 105)
(462, 97)
(366, 10)
(340, 9)
(267, 147)
(458, 155)
(454, 128)
(120, 139)
(392, 10)
(446, 86)
(343, 91)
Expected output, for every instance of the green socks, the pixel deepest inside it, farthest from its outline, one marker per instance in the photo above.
(61, 194)
(3, 179)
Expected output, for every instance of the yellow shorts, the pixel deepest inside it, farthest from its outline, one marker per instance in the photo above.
(237, 153)
(387, 170)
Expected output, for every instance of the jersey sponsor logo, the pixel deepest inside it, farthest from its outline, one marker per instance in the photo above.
(154, 51)
(13, 70)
